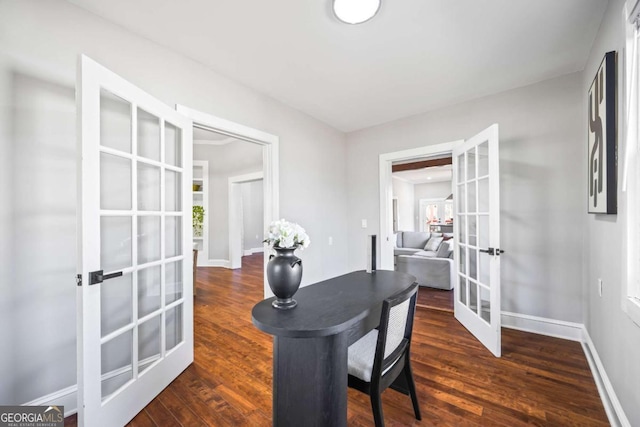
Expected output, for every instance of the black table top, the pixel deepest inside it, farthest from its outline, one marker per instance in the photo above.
(332, 306)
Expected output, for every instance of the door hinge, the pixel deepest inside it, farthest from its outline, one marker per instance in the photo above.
(79, 279)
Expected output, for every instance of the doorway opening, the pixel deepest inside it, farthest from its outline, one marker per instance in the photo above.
(386, 162)
(260, 145)
(246, 226)
(227, 189)
(423, 226)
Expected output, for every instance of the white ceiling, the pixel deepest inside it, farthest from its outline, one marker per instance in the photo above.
(427, 175)
(414, 56)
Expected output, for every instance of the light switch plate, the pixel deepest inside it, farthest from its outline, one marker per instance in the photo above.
(364, 223)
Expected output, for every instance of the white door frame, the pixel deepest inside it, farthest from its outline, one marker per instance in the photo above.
(236, 215)
(270, 155)
(386, 192)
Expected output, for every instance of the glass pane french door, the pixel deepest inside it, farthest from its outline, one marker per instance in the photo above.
(477, 232)
(135, 306)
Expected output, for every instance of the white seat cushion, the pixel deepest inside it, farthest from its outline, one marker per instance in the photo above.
(361, 354)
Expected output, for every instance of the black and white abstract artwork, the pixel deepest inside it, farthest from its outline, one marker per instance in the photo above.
(602, 178)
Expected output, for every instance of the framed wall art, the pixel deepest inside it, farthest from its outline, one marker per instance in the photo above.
(602, 168)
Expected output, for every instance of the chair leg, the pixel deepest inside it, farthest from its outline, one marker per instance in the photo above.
(412, 387)
(376, 406)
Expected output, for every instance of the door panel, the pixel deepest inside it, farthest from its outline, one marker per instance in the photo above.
(135, 307)
(477, 227)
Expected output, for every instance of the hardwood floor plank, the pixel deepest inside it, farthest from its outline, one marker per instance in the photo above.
(142, 420)
(160, 415)
(436, 299)
(539, 380)
(180, 409)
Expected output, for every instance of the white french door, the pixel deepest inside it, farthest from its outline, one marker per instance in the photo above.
(476, 196)
(135, 305)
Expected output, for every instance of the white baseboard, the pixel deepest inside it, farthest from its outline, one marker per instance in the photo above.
(612, 405)
(67, 397)
(543, 326)
(252, 251)
(214, 263)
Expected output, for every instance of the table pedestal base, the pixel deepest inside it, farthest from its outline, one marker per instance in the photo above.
(310, 381)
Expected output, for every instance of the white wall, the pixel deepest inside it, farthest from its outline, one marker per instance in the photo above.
(432, 190)
(615, 336)
(7, 357)
(39, 45)
(252, 214)
(236, 158)
(38, 294)
(542, 186)
(403, 191)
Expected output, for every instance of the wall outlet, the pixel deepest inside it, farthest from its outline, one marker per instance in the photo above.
(364, 223)
(600, 287)
(330, 240)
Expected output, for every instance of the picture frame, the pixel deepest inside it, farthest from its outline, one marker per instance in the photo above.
(602, 139)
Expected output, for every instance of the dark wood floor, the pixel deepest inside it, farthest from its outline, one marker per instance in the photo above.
(435, 299)
(539, 380)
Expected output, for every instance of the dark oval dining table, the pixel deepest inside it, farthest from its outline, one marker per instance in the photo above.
(310, 343)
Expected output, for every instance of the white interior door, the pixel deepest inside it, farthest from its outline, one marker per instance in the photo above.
(476, 196)
(135, 298)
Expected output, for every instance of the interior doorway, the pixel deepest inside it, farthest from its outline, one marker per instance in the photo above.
(222, 166)
(270, 149)
(246, 226)
(387, 243)
(423, 226)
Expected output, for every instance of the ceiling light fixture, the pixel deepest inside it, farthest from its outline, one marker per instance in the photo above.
(355, 11)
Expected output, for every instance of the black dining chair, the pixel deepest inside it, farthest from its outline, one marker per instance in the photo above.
(378, 359)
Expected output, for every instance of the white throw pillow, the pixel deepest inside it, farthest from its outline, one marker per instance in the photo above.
(433, 243)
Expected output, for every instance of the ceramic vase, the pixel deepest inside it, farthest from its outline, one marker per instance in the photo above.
(284, 273)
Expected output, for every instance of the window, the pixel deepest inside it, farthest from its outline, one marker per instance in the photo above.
(432, 214)
(435, 211)
(631, 166)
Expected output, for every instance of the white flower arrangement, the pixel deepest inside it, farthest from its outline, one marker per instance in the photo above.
(284, 234)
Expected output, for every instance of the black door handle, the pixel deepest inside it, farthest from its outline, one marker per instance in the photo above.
(96, 277)
(492, 251)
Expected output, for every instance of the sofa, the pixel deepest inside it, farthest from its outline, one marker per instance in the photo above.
(427, 256)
